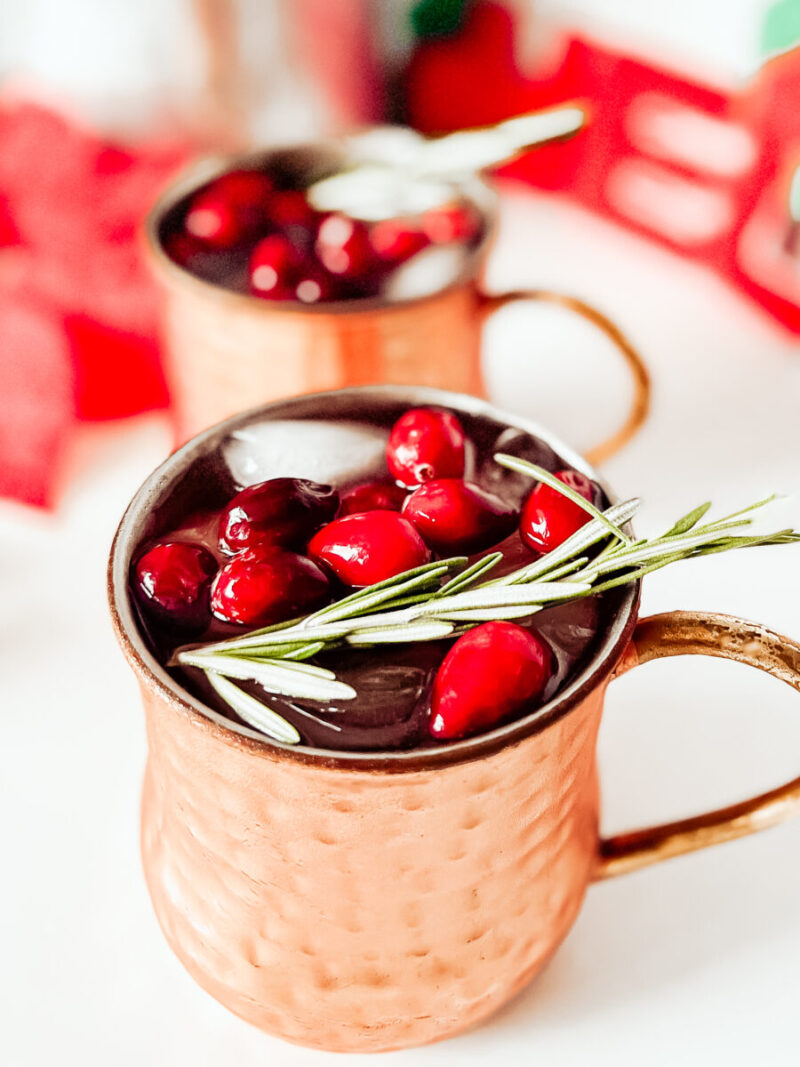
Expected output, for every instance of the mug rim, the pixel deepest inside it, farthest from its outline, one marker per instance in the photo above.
(199, 171)
(155, 676)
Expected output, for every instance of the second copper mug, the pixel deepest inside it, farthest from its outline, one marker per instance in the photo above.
(365, 901)
(226, 351)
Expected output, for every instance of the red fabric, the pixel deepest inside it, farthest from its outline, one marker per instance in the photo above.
(77, 304)
(36, 397)
(9, 234)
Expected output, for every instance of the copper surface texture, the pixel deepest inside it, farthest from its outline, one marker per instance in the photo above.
(360, 911)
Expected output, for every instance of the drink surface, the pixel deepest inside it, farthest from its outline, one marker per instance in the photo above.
(394, 683)
(255, 231)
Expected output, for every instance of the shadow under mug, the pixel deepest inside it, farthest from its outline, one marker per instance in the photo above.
(357, 901)
(226, 351)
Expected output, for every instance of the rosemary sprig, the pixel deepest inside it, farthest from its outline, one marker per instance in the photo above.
(448, 597)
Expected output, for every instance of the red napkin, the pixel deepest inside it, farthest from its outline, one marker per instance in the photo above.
(78, 313)
(36, 396)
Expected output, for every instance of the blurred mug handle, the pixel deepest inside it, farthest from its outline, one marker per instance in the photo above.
(640, 402)
(693, 633)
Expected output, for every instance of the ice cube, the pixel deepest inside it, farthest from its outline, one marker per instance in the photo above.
(335, 452)
(427, 272)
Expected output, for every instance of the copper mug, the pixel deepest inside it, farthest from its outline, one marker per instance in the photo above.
(226, 351)
(357, 901)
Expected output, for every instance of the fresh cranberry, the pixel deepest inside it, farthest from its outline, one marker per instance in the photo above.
(274, 268)
(314, 285)
(455, 516)
(290, 209)
(260, 590)
(344, 247)
(489, 673)
(548, 518)
(452, 222)
(425, 443)
(369, 547)
(172, 580)
(230, 209)
(182, 248)
(396, 240)
(372, 496)
(280, 513)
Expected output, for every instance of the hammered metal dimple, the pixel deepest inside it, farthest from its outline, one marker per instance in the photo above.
(358, 911)
(223, 356)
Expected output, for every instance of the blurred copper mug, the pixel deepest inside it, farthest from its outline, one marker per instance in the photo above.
(226, 351)
(363, 901)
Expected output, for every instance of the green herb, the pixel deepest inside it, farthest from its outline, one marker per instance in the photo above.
(444, 599)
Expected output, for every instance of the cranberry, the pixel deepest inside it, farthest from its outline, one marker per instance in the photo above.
(548, 518)
(455, 516)
(488, 674)
(182, 248)
(231, 209)
(290, 209)
(369, 547)
(172, 580)
(344, 247)
(260, 590)
(396, 240)
(452, 222)
(425, 443)
(274, 268)
(315, 284)
(372, 496)
(280, 513)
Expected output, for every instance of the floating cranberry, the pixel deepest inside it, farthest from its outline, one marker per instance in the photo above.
(274, 268)
(372, 496)
(172, 582)
(290, 209)
(396, 240)
(182, 248)
(452, 222)
(230, 209)
(259, 590)
(281, 513)
(455, 516)
(344, 247)
(315, 285)
(549, 518)
(425, 443)
(489, 673)
(369, 547)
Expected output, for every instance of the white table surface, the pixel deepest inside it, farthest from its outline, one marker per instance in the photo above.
(696, 961)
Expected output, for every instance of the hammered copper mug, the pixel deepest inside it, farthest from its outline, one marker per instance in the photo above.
(358, 901)
(226, 351)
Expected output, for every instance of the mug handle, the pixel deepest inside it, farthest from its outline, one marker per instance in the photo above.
(640, 404)
(688, 633)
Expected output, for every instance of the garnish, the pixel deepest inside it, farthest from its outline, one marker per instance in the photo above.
(446, 598)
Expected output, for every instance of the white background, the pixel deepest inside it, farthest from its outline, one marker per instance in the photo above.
(696, 961)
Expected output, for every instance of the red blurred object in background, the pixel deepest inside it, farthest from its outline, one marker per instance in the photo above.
(36, 396)
(79, 318)
(705, 171)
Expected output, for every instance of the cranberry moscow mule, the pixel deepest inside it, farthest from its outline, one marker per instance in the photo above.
(373, 630)
(404, 487)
